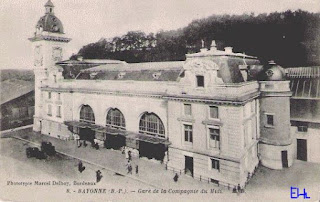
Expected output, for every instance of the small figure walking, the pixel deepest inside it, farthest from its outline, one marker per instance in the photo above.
(77, 138)
(176, 177)
(238, 188)
(129, 167)
(98, 175)
(137, 169)
(129, 155)
(81, 168)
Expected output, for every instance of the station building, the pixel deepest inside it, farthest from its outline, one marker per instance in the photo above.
(207, 116)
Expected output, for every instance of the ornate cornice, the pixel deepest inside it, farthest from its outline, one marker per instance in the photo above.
(181, 98)
(49, 38)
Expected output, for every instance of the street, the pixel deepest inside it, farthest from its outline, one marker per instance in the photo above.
(66, 182)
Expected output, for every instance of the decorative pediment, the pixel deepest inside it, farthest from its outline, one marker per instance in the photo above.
(200, 65)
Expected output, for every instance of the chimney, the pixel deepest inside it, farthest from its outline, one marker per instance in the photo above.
(213, 46)
(271, 62)
(228, 49)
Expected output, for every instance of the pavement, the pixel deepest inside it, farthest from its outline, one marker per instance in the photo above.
(266, 184)
(151, 172)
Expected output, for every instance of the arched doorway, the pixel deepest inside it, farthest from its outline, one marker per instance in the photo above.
(151, 125)
(115, 119)
(87, 116)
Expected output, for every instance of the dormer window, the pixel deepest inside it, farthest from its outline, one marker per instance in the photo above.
(156, 75)
(200, 81)
(93, 75)
(121, 75)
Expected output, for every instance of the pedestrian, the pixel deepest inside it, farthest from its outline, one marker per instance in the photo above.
(137, 169)
(176, 177)
(81, 168)
(129, 167)
(98, 175)
(77, 138)
(238, 188)
(129, 155)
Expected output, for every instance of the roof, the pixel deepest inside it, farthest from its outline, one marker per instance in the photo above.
(50, 23)
(305, 82)
(152, 71)
(49, 3)
(138, 66)
(14, 88)
(71, 68)
(304, 72)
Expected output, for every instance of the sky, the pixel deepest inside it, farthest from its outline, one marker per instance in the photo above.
(87, 21)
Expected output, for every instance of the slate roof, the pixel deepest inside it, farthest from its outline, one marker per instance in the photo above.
(151, 71)
(14, 88)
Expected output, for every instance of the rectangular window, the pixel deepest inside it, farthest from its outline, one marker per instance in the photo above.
(200, 81)
(188, 133)
(270, 120)
(187, 109)
(214, 114)
(58, 111)
(214, 137)
(303, 128)
(215, 164)
(49, 95)
(49, 110)
(59, 96)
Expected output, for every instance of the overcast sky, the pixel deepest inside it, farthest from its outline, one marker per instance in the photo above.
(86, 21)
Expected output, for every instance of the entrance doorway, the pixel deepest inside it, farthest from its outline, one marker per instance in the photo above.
(86, 134)
(284, 158)
(114, 141)
(150, 150)
(302, 149)
(189, 165)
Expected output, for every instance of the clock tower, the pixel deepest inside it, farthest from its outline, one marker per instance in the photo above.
(48, 45)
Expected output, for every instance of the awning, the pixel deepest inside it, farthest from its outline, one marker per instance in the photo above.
(114, 131)
(97, 128)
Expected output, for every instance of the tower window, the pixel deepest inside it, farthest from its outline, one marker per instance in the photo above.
(200, 81)
(49, 95)
(270, 120)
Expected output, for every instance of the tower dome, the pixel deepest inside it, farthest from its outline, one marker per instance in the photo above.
(49, 22)
(274, 72)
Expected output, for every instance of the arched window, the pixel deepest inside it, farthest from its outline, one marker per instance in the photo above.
(115, 119)
(86, 114)
(151, 124)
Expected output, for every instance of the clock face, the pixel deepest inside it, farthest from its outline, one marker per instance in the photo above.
(38, 57)
(57, 54)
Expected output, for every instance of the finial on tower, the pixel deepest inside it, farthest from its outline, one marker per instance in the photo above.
(49, 7)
